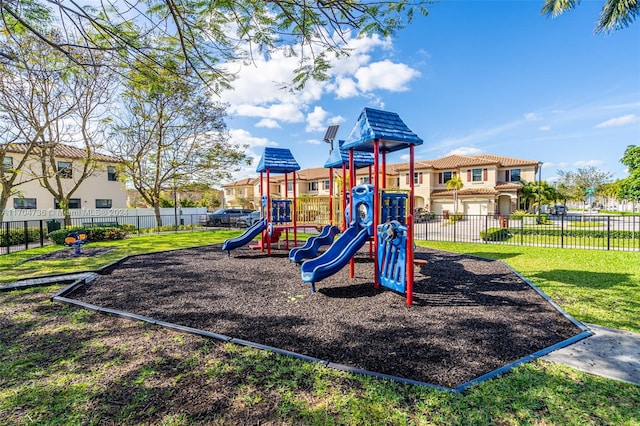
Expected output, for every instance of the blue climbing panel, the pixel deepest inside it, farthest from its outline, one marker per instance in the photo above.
(281, 211)
(394, 207)
(392, 256)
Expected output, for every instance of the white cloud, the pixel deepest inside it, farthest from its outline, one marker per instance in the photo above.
(282, 112)
(385, 75)
(531, 116)
(618, 121)
(243, 137)
(465, 150)
(314, 141)
(587, 163)
(316, 119)
(544, 128)
(268, 123)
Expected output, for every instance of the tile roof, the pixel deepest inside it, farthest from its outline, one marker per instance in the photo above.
(242, 182)
(386, 127)
(508, 185)
(63, 151)
(507, 161)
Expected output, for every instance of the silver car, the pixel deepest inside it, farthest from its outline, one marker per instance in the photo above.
(248, 220)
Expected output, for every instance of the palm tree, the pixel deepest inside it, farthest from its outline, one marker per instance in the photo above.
(455, 184)
(616, 14)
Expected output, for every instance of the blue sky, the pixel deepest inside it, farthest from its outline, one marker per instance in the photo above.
(492, 77)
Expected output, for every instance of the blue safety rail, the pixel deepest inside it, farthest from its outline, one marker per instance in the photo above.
(394, 207)
(277, 160)
(392, 256)
(280, 211)
(383, 126)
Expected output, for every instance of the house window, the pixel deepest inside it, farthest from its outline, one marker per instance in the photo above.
(447, 176)
(228, 191)
(476, 175)
(7, 164)
(112, 176)
(25, 203)
(514, 175)
(325, 185)
(312, 186)
(290, 186)
(364, 179)
(417, 177)
(103, 204)
(64, 169)
(74, 203)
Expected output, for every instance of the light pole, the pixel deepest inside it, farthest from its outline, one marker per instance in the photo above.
(539, 182)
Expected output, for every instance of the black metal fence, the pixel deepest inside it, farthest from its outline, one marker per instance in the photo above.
(598, 232)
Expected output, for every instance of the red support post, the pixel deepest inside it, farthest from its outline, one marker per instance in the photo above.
(352, 181)
(295, 213)
(286, 195)
(344, 197)
(376, 210)
(268, 211)
(410, 266)
(263, 213)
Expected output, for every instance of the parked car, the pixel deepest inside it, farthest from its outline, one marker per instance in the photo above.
(558, 209)
(222, 217)
(248, 220)
(423, 215)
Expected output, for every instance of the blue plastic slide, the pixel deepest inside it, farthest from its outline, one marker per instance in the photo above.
(246, 237)
(310, 248)
(334, 259)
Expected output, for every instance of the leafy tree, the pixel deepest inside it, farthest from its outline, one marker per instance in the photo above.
(169, 133)
(574, 185)
(455, 184)
(615, 15)
(630, 187)
(205, 35)
(44, 102)
(529, 195)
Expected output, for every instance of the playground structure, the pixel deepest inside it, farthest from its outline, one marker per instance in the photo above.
(384, 216)
(275, 214)
(76, 239)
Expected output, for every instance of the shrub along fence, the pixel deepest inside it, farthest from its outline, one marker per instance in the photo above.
(602, 232)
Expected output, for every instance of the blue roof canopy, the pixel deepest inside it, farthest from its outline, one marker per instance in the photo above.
(341, 156)
(277, 160)
(386, 127)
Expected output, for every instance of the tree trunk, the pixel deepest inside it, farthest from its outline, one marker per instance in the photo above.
(156, 211)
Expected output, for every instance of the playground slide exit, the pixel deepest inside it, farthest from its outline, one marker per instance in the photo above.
(246, 237)
(336, 257)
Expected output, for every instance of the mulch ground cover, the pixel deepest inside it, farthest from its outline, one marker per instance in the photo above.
(470, 316)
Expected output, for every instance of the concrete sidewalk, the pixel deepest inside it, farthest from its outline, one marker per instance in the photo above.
(610, 353)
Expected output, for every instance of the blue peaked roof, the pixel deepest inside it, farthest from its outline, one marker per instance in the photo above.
(386, 127)
(277, 160)
(341, 156)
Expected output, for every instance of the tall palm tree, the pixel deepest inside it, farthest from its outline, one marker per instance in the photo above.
(616, 14)
(455, 184)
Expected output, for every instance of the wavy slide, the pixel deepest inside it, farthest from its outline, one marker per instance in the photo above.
(246, 237)
(310, 248)
(334, 259)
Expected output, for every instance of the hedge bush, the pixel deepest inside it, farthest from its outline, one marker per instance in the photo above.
(495, 234)
(16, 236)
(93, 234)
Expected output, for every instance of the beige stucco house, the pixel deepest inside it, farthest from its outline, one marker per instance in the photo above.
(491, 183)
(101, 190)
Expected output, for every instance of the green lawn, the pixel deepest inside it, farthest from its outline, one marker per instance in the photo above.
(65, 365)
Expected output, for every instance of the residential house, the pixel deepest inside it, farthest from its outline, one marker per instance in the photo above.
(491, 183)
(101, 190)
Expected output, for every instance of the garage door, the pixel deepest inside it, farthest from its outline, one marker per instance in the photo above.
(475, 208)
(439, 207)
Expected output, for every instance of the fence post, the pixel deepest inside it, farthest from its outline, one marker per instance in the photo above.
(41, 233)
(138, 224)
(26, 234)
(486, 227)
(7, 237)
(561, 231)
(608, 232)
